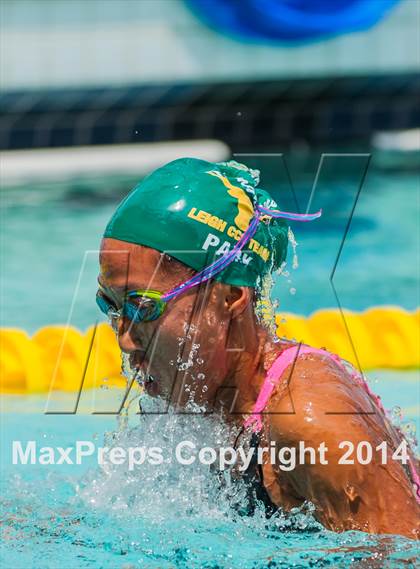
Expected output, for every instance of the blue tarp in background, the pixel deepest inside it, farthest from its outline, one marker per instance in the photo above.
(290, 20)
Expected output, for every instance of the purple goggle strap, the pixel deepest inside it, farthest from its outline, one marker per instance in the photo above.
(220, 264)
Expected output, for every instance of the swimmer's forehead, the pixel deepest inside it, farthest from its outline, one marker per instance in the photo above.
(120, 283)
(127, 266)
(121, 287)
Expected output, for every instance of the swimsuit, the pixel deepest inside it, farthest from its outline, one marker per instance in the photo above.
(254, 474)
(273, 377)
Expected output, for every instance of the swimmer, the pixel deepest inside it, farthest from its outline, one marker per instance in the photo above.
(182, 264)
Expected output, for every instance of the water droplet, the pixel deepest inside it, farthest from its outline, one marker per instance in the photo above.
(409, 432)
(396, 415)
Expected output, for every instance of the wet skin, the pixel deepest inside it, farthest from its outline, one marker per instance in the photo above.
(315, 402)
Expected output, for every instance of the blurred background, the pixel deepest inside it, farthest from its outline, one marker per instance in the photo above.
(95, 94)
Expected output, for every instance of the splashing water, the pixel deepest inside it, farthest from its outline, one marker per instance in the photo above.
(164, 515)
(294, 244)
(409, 431)
(264, 308)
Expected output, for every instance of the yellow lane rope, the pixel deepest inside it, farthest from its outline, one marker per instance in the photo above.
(56, 357)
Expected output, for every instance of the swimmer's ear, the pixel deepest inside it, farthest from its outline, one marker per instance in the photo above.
(238, 299)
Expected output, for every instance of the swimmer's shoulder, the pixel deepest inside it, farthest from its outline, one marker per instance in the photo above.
(314, 380)
(311, 364)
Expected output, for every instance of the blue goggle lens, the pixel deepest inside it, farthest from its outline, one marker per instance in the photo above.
(144, 311)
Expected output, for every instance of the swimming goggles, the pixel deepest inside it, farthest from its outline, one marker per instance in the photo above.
(138, 306)
(147, 305)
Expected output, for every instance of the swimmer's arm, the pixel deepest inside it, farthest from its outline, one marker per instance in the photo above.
(322, 404)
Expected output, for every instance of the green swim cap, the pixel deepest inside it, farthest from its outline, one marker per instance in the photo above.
(196, 211)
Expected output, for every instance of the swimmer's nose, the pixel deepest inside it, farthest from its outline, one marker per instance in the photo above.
(126, 340)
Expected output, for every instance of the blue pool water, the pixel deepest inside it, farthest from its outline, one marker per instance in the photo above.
(83, 516)
(167, 516)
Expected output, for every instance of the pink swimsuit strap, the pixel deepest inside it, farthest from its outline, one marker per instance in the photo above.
(274, 375)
